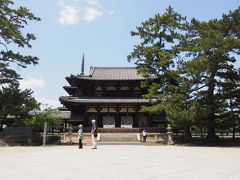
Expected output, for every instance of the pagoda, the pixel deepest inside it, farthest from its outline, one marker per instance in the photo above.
(112, 96)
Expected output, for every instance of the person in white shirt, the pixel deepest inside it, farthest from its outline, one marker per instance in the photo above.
(94, 134)
(144, 134)
(80, 136)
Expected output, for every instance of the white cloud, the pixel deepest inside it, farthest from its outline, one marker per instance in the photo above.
(90, 14)
(111, 13)
(46, 103)
(92, 2)
(69, 15)
(31, 83)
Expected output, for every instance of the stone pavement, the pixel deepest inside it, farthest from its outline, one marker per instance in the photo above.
(119, 162)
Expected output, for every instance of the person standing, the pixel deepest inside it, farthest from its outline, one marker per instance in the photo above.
(70, 131)
(94, 134)
(80, 136)
(144, 134)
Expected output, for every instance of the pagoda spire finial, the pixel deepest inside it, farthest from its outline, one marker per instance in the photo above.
(82, 68)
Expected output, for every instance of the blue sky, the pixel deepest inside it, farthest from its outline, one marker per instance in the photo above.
(99, 28)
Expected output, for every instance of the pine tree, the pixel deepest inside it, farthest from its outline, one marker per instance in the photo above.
(157, 58)
(12, 23)
(190, 68)
(17, 103)
(212, 48)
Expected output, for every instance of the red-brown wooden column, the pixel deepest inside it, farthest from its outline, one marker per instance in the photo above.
(99, 118)
(136, 117)
(118, 117)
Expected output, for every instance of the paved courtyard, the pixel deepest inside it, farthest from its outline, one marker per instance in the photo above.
(119, 162)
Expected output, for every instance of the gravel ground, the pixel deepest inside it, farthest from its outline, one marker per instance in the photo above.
(119, 162)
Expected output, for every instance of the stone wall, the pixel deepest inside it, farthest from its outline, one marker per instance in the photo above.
(17, 131)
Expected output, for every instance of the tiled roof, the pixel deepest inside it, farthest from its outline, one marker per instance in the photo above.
(113, 73)
(104, 100)
(63, 114)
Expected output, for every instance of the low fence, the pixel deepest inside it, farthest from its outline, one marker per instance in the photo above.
(224, 134)
(56, 130)
(25, 136)
(74, 129)
(17, 131)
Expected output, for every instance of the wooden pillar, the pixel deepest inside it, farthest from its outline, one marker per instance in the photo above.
(99, 118)
(136, 120)
(149, 118)
(118, 117)
(65, 125)
(44, 133)
(136, 117)
(85, 118)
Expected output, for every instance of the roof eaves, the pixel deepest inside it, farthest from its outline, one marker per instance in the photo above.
(104, 101)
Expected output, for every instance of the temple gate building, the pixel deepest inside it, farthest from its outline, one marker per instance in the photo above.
(112, 96)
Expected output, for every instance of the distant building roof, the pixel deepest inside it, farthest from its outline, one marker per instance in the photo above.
(63, 109)
(104, 100)
(112, 73)
(65, 114)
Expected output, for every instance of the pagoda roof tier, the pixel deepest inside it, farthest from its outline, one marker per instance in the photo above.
(103, 100)
(111, 73)
(70, 89)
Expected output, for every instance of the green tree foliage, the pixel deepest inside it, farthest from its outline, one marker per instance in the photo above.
(12, 38)
(190, 67)
(16, 103)
(156, 58)
(230, 94)
(212, 47)
(49, 115)
(181, 106)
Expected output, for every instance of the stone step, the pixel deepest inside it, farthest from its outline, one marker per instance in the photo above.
(118, 137)
(119, 143)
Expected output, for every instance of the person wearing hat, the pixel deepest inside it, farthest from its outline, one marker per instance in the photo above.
(80, 136)
(94, 134)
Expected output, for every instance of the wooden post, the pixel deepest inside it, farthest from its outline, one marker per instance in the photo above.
(118, 117)
(85, 117)
(136, 118)
(99, 119)
(45, 133)
(169, 135)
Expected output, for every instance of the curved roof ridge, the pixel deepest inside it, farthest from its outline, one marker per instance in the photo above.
(112, 73)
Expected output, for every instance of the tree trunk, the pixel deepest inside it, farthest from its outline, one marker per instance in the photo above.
(234, 127)
(234, 131)
(211, 130)
(211, 104)
(1, 126)
(187, 134)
